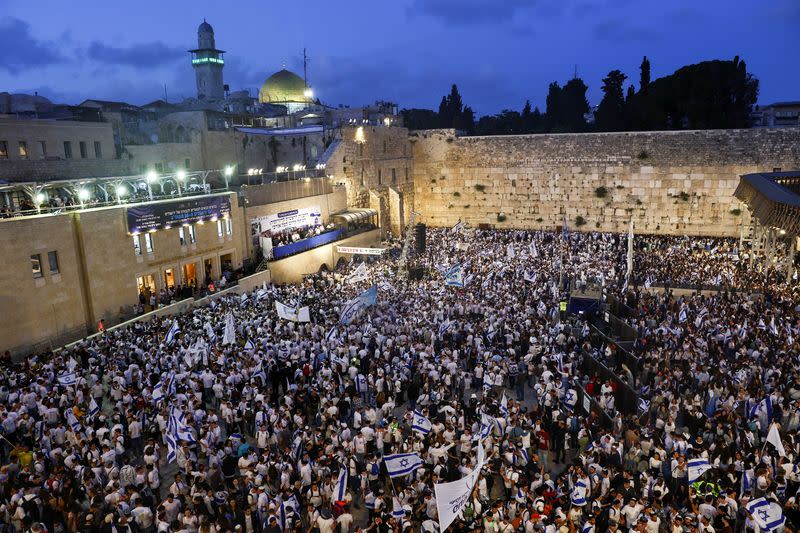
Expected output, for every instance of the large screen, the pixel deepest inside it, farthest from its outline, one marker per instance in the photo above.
(160, 215)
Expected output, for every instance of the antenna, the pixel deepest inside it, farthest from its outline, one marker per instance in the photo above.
(575, 73)
(166, 101)
(305, 67)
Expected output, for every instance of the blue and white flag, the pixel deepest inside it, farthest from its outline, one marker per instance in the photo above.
(172, 447)
(359, 274)
(762, 410)
(421, 423)
(402, 464)
(682, 315)
(341, 485)
(743, 331)
(178, 428)
(355, 306)
(444, 327)
(510, 253)
(565, 229)
(570, 399)
(767, 515)
(644, 405)
(454, 277)
(748, 477)
(229, 334)
(73, 421)
(70, 378)
(260, 374)
(397, 508)
(458, 227)
(212, 337)
(532, 248)
(504, 405)
(697, 467)
(331, 335)
(93, 407)
(158, 392)
(249, 346)
(578, 495)
(172, 332)
(488, 423)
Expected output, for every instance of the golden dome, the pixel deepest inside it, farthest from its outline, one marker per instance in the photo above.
(283, 86)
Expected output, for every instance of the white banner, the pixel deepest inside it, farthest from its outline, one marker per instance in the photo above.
(296, 218)
(359, 251)
(292, 313)
(452, 497)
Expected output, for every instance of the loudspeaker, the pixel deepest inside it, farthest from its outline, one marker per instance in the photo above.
(415, 273)
(420, 234)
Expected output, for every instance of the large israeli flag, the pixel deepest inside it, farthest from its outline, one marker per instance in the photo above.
(697, 467)
(767, 515)
(294, 314)
(70, 378)
(359, 274)
(453, 496)
(421, 423)
(94, 409)
(73, 421)
(402, 464)
(173, 331)
(341, 485)
(578, 495)
(229, 335)
(454, 277)
(355, 306)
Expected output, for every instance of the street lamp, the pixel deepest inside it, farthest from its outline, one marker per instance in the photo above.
(151, 177)
(39, 198)
(121, 190)
(181, 174)
(228, 171)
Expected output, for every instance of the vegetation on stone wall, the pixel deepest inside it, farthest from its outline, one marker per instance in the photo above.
(736, 211)
(601, 192)
(480, 188)
(580, 221)
(501, 217)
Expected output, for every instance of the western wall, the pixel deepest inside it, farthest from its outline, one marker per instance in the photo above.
(671, 182)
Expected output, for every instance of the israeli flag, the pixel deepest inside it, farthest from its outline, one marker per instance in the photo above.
(93, 407)
(73, 421)
(355, 306)
(332, 334)
(570, 400)
(488, 423)
(565, 229)
(229, 335)
(697, 467)
(402, 464)
(762, 410)
(532, 248)
(341, 485)
(179, 429)
(158, 392)
(748, 477)
(578, 495)
(682, 315)
(397, 508)
(172, 447)
(212, 337)
(359, 274)
(70, 378)
(504, 405)
(510, 253)
(260, 374)
(444, 327)
(454, 277)
(530, 278)
(249, 346)
(644, 405)
(458, 227)
(743, 331)
(173, 331)
(767, 515)
(421, 423)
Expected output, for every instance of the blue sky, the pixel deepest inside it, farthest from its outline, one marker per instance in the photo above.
(499, 52)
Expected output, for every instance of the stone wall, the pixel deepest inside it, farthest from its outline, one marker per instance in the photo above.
(678, 182)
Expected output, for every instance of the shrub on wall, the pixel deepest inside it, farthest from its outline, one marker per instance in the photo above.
(643, 155)
(456, 194)
(601, 192)
(736, 211)
(684, 196)
(540, 219)
(479, 187)
(580, 221)
(501, 217)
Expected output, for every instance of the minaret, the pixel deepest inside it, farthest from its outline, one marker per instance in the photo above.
(208, 63)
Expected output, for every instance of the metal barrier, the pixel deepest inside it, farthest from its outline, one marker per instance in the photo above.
(627, 400)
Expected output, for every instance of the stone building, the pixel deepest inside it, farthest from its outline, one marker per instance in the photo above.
(208, 62)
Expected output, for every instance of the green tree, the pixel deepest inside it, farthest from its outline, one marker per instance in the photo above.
(611, 111)
(644, 75)
(420, 119)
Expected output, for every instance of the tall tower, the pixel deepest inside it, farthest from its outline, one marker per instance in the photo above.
(207, 62)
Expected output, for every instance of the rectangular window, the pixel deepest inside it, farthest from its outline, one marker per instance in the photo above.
(137, 246)
(406, 172)
(186, 164)
(181, 236)
(23, 150)
(148, 242)
(43, 149)
(52, 258)
(220, 231)
(3, 149)
(36, 265)
(384, 146)
(98, 150)
(394, 176)
(192, 235)
(67, 150)
(82, 146)
(380, 177)
(229, 226)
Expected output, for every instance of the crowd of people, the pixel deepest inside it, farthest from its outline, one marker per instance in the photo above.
(230, 418)
(290, 235)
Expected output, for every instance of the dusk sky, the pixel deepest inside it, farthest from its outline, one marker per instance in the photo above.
(499, 52)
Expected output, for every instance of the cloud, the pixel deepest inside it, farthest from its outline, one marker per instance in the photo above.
(469, 12)
(616, 31)
(140, 56)
(23, 51)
